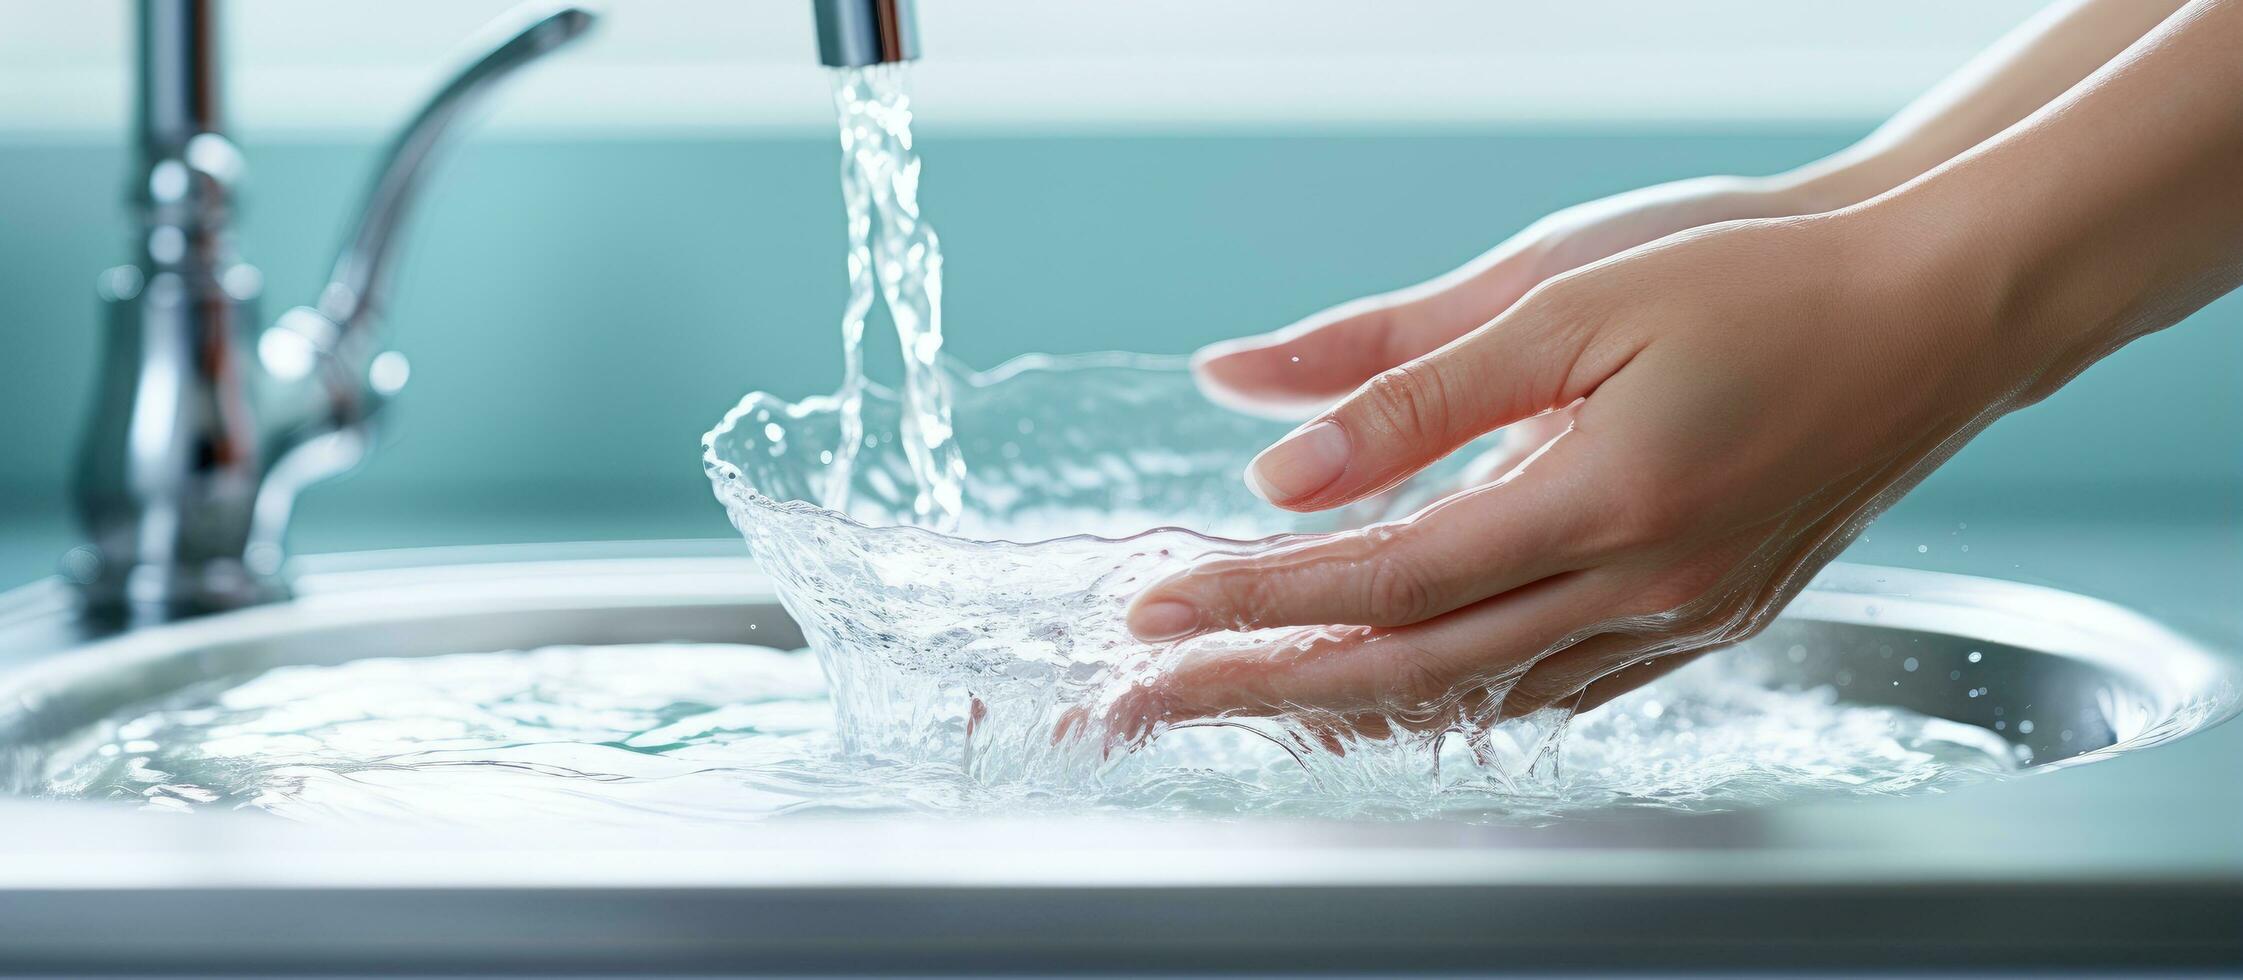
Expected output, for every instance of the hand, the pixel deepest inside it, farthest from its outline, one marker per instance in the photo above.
(1303, 368)
(1298, 370)
(1742, 398)
(1739, 401)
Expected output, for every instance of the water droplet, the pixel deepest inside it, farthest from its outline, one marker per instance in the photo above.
(1976, 656)
(1909, 665)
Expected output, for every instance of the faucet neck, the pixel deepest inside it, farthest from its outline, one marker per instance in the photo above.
(180, 92)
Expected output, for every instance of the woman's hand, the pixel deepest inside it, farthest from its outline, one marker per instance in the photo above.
(1303, 368)
(1738, 400)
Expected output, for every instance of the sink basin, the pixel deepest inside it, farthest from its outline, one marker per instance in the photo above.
(1985, 875)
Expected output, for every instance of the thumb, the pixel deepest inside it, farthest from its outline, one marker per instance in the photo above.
(1306, 366)
(1410, 416)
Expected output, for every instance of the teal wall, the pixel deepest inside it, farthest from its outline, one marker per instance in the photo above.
(577, 312)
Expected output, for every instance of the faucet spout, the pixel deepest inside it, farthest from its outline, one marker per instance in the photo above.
(857, 33)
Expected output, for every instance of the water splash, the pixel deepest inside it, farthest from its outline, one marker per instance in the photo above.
(973, 650)
(640, 736)
(891, 246)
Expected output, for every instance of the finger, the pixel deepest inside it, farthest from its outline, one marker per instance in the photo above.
(1335, 734)
(1531, 360)
(1305, 366)
(1400, 674)
(1472, 545)
(1612, 664)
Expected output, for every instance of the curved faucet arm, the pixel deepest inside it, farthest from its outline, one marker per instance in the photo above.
(324, 357)
(355, 289)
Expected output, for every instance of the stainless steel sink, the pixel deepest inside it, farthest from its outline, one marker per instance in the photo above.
(1989, 875)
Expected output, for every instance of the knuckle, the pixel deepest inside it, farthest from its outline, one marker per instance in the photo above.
(1407, 402)
(1397, 593)
(1565, 308)
(1418, 678)
(1557, 300)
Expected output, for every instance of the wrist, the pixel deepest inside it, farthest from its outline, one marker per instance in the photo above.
(1969, 267)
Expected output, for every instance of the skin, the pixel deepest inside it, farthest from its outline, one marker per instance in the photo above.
(1720, 383)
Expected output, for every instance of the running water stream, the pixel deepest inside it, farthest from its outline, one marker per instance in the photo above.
(892, 247)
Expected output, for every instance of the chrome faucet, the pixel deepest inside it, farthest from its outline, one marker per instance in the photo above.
(203, 432)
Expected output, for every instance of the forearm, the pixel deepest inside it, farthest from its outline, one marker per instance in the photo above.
(2024, 71)
(2114, 211)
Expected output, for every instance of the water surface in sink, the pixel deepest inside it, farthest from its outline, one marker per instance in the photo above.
(653, 734)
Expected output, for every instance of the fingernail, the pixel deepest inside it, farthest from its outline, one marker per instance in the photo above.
(1163, 619)
(1305, 462)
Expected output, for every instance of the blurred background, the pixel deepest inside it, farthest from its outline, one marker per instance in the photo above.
(648, 227)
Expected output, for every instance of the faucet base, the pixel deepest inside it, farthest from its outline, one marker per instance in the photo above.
(116, 594)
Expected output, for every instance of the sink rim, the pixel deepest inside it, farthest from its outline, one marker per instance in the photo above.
(347, 591)
(1989, 874)
(369, 589)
